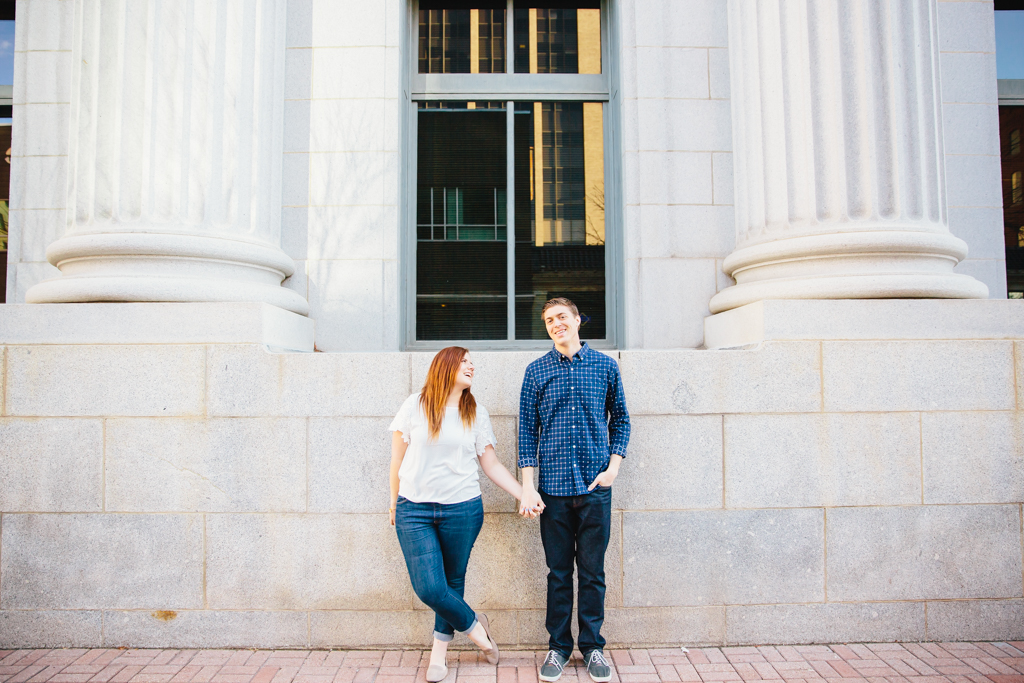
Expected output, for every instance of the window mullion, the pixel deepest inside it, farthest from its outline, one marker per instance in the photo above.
(510, 215)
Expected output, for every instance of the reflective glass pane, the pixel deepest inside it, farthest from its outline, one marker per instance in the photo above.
(559, 216)
(557, 37)
(461, 226)
(461, 37)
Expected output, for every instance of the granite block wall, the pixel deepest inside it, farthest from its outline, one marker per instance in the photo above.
(798, 492)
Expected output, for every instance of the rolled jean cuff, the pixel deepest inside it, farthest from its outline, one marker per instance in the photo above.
(444, 637)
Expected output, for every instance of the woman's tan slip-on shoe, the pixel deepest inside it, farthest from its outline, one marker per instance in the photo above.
(492, 654)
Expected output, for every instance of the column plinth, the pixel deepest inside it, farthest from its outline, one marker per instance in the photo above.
(837, 138)
(175, 156)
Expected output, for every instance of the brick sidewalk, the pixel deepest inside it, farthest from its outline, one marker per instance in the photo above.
(883, 663)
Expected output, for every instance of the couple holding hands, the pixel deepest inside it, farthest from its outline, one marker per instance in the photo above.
(573, 431)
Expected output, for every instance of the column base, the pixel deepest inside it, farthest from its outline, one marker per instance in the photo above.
(863, 320)
(156, 323)
(150, 267)
(881, 264)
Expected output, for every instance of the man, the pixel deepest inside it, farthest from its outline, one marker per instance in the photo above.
(573, 427)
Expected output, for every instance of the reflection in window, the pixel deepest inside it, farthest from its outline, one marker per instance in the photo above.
(559, 216)
(1016, 188)
(1014, 143)
(461, 248)
(461, 38)
(557, 37)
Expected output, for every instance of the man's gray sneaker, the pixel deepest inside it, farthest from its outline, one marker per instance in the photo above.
(551, 669)
(597, 667)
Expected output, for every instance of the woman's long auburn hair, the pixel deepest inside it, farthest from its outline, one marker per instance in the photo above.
(438, 387)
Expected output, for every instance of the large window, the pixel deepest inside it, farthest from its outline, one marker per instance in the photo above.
(508, 204)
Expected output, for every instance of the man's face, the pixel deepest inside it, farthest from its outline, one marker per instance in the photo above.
(562, 325)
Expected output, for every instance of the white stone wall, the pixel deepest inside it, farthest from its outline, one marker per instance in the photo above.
(799, 492)
(342, 159)
(970, 114)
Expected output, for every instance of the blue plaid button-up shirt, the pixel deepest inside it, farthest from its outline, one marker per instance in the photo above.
(572, 417)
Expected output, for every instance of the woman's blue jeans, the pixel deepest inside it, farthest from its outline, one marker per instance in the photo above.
(436, 540)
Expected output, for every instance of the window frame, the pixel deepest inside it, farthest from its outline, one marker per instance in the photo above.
(510, 88)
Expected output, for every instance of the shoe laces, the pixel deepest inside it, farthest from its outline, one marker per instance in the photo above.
(552, 658)
(597, 657)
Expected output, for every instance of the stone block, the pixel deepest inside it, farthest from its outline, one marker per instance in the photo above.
(701, 23)
(38, 628)
(206, 629)
(347, 178)
(371, 629)
(876, 622)
(989, 272)
(43, 130)
(506, 431)
(344, 23)
(206, 465)
(295, 179)
(672, 72)
(156, 323)
(36, 230)
(299, 23)
(347, 300)
(497, 381)
(722, 557)
(966, 27)
(165, 381)
(973, 180)
(349, 460)
(355, 231)
(924, 553)
(917, 375)
(968, 77)
(690, 284)
(970, 128)
(293, 562)
(686, 231)
(347, 126)
(973, 457)
(718, 64)
(723, 179)
(826, 460)
(665, 626)
(532, 632)
(981, 228)
(84, 561)
(675, 178)
(507, 568)
(42, 77)
(35, 181)
(349, 72)
(296, 126)
(775, 378)
(298, 70)
(685, 125)
(51, 465)
(44, 25)
(248, 381)
(674, 462)
(976, 620)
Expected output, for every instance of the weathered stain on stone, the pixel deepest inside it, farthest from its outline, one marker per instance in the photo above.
(165, 615)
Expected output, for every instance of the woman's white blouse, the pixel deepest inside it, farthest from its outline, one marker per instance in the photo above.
(446, 470)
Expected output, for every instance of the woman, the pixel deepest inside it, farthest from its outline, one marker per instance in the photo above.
(437, 438)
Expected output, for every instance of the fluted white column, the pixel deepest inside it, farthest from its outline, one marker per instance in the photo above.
(175, 158)
(837, 138)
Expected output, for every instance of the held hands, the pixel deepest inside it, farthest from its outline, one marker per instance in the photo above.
(530, 506)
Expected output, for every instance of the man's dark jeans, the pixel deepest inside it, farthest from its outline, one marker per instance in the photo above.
(575, 529)
(436, 540)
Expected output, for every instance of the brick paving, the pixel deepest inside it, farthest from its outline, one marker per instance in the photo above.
(995, 662)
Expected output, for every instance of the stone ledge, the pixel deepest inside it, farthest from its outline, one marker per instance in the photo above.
(864, 319)
(156, 323)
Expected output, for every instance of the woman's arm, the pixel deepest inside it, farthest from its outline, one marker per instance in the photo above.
(398, 448)
(497, 473)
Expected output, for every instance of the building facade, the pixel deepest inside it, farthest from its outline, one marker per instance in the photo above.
(783, 219)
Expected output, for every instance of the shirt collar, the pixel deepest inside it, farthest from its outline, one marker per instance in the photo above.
(581, 354)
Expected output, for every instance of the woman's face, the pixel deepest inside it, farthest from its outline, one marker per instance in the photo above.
(464, 376)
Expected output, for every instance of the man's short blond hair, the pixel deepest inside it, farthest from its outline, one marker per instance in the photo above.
(560, 301)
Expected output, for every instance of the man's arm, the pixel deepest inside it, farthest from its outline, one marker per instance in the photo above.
(529, 427)
(618, 430)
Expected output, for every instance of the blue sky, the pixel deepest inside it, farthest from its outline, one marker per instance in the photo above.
(6, 52)
(1009, 44)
